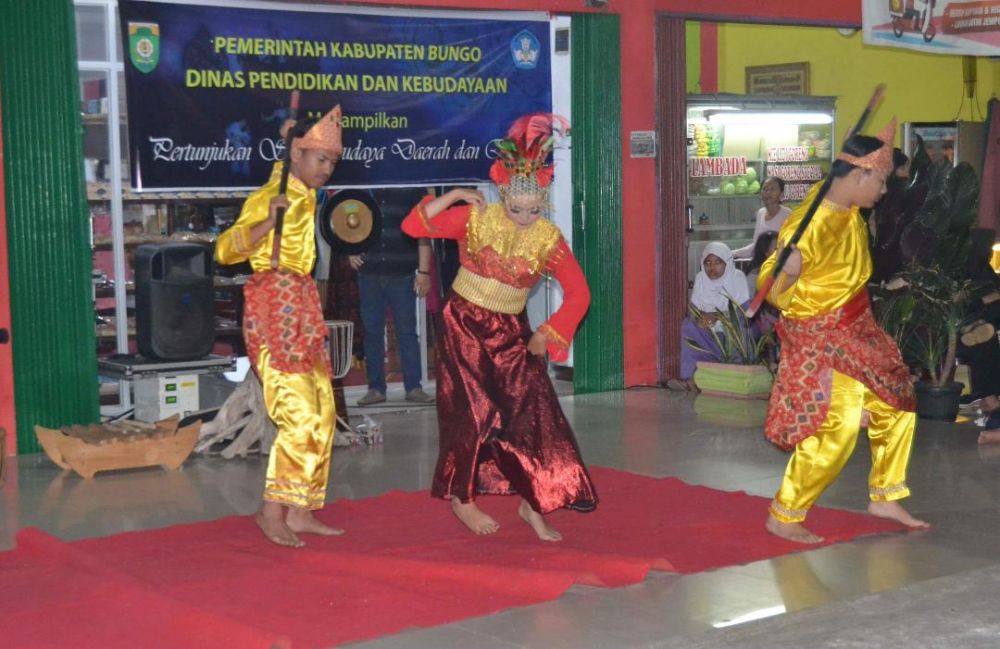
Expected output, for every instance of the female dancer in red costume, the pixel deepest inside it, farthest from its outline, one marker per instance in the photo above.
(501, 428)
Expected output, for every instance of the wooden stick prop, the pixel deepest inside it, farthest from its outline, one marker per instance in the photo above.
(786, 252)
(279, 220)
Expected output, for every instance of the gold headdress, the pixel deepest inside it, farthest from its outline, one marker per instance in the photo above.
(324, 134)
(881, 158)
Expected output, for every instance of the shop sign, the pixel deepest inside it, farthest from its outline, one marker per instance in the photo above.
(424, 95)
(795, 192)
(792, 173)
(788, 154)
(970, 28)
(721, 166)
(781, 79)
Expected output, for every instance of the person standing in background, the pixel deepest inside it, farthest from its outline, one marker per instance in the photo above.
(769, 218)
(393, 273)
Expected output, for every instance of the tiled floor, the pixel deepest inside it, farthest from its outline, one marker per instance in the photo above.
(804, 597)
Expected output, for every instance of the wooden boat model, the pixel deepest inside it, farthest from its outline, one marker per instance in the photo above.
(119, 445)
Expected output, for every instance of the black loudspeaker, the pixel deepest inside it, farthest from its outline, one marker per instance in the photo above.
(174, 301)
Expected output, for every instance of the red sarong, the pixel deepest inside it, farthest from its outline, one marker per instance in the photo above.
(501, 429)
(847, 340)
(282, 310)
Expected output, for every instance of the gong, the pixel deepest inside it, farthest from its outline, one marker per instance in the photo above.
(351, 221)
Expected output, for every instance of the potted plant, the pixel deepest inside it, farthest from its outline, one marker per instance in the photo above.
(743, 368)
(921, 243)
(924, 309)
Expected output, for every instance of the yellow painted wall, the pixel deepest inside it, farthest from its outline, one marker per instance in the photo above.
(692, 56)
(920, 87)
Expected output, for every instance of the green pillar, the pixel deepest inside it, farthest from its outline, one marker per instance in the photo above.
(598, 356)
(48, 227)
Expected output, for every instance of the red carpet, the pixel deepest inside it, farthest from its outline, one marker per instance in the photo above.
(405, 562)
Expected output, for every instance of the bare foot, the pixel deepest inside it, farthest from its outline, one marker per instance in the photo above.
(474, 518)
(537, 522)
(989, 437)
(302, 521)
(271, 521)
(892, 510)
(791, 531)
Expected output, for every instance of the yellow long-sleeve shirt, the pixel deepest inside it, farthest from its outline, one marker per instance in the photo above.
(298, 233)
(836, 263)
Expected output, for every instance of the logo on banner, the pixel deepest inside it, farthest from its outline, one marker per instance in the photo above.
(525, 49)
(144, 46)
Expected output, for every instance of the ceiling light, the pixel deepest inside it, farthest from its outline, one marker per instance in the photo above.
(765, 119)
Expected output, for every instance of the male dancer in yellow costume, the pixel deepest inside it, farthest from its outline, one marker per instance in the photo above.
(837, 366)
(284, 330)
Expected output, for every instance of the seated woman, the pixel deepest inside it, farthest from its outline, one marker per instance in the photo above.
(991, 420)
(769, 218)
(979, 346)
(717, 282)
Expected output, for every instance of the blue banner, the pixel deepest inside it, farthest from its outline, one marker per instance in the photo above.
(424, 97)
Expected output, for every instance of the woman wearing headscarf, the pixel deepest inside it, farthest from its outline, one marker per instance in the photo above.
(717, 283)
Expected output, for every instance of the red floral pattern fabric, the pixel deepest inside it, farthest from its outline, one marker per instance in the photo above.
(847, 340)
(282, 310)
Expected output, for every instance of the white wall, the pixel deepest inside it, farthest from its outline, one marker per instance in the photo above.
(547, 295)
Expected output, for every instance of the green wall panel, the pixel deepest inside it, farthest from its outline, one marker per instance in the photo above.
(48, 229)
(598, 356)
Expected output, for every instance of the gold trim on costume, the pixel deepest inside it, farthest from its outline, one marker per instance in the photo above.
(241, 240)
(883, 493)
(493, 228)
(881, 158)
(556, 257)
(490, 293)
(298, 494)
(786, 515)
(554, 336)
(424, 219)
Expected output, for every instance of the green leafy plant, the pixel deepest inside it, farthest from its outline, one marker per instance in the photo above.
(924, 309)
(737, 344)
(925, 221)
(921, 244)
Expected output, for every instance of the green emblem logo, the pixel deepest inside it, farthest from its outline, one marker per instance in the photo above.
(144, 46)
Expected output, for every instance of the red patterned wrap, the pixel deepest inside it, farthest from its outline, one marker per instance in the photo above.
(502, 430)
(847, 340)
(282, 310)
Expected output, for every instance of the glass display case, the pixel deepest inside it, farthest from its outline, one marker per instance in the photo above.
(734, 143)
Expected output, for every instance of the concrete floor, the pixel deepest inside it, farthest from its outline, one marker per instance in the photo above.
(929, 589)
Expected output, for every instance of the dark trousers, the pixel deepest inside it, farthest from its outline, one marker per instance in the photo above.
(378, 292)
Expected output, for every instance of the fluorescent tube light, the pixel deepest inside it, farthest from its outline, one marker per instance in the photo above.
(766, 119)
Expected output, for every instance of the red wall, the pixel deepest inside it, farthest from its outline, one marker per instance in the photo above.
(797, 12)
(6, 361)
(639, 200)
